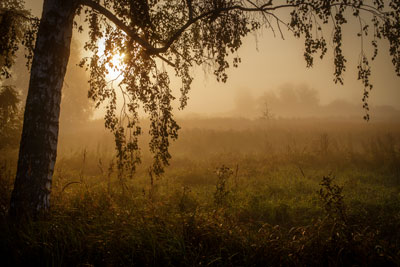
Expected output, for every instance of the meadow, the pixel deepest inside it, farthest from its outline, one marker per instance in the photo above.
(238, 192)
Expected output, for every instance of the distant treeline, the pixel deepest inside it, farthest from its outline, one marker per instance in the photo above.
(303, 101)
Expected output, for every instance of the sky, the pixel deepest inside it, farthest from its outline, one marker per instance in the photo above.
(269, 63)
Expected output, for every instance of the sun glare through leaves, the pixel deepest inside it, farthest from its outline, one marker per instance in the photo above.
(115, 62)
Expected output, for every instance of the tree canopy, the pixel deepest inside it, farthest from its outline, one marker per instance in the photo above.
(152, 34)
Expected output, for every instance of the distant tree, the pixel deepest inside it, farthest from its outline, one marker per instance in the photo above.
(10, 119)
(288, 95)
(266, 112)
(8, 105)
(179, 33)
(308, 96)
(291, 101)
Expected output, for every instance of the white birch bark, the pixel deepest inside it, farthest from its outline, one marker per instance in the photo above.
(38, 149)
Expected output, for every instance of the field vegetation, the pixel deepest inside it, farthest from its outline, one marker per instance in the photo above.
(238, 192)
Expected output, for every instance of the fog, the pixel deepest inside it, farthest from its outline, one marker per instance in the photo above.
(279, 62)
(76, 108)
(302, 101)
(269, 65)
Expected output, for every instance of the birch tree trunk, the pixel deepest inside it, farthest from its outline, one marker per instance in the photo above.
(38, 148)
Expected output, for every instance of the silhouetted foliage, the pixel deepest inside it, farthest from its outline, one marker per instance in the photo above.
(16, 27)
(10, 117)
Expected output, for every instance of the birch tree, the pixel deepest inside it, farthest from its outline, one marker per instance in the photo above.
(150, 33)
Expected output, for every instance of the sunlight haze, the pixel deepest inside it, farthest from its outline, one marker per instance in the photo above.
(269, 63)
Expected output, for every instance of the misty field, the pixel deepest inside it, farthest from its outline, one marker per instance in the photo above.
(238, 192)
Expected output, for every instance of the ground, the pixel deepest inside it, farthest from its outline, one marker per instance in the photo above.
(238, 192)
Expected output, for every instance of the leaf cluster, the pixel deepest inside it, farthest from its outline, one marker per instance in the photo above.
(16, 26)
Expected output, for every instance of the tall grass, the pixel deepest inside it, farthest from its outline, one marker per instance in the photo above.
(286, 196)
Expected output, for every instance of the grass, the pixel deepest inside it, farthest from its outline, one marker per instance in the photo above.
(304, 199)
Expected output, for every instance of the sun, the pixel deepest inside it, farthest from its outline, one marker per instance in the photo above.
(114, 67)
(114, 70)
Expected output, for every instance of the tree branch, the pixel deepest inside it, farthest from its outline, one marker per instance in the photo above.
(151, 50)
(190, 8)
(157, 50)
(105, 12)
(102, 10)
